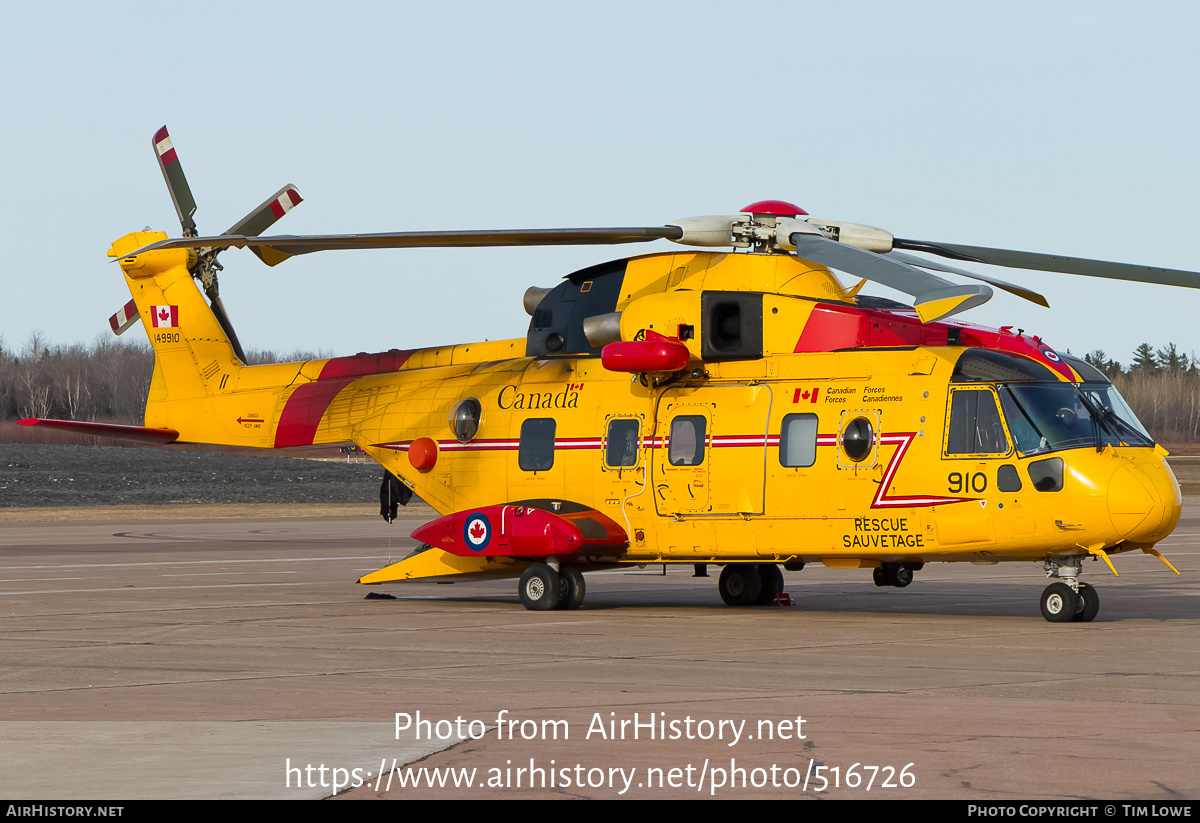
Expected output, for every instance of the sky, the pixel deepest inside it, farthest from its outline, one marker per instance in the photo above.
(1062, 127)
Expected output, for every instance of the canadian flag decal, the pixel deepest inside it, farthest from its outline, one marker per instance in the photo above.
(806, 394)
(164, 317)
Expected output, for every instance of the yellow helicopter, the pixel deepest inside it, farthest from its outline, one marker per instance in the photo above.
(737, 407)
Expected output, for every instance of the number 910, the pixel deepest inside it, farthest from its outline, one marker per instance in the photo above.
(969, 482)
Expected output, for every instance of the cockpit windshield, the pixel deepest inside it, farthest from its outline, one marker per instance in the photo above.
(1050, 417)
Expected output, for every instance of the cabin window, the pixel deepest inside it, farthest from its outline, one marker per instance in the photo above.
(464, 419)
(687, 441)
(621, 445)
(798, 440)
(975, 426)
(536, 450)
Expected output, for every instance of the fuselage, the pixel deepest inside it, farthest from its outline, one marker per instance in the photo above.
(809, 425)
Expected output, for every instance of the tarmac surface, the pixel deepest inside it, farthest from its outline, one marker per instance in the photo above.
(237, 658)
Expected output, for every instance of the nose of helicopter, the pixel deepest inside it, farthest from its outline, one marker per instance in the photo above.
(1144, 501)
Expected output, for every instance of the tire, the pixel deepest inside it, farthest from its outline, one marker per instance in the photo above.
(879, 576)
(904, 576)
(772, 584)
(1059, 603)
(573, 588)
(540, 588)
(1089, 602)
(740, 584)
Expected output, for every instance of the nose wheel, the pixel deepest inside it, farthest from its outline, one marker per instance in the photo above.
(893, 574)
(1068, 600)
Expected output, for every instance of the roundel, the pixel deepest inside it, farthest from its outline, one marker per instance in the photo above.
(477, 532)
(1051, 356)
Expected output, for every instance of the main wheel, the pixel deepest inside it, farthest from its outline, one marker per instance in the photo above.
(540, 588)
(772, 583)
(1059, 603)
(904, 576)
(1089, 604)
(573, 588)
(740, 584)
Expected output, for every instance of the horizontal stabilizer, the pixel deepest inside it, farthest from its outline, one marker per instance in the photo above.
(435, 563)
(136, 434)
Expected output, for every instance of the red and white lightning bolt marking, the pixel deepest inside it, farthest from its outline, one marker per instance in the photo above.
(902, 440)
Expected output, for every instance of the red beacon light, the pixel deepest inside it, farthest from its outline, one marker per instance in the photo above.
(775, 208)
(657, 353)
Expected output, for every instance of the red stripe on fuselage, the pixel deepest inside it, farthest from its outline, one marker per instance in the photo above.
(304, 409)
(306, 406)
(838, 327)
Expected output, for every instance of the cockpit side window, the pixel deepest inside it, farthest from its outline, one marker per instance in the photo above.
(975, 426)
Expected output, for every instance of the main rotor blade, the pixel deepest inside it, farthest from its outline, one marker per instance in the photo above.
(177, 185)
(1056, 263)
(282, 247)
(934, 297)
(1011, 288)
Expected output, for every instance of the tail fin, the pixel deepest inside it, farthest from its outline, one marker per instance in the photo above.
(196, 368)
(202, 389)
(192, 354)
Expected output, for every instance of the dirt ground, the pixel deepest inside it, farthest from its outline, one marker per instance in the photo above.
(62, 478)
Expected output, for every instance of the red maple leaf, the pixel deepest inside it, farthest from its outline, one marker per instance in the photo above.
(163, 314)
(477, 530)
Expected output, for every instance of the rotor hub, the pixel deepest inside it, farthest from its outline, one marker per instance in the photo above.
(774, 208)
(758, 230)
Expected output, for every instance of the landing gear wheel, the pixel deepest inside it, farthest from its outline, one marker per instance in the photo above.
(1060, 603)
(892, 574)
(540, 588)
(573, 588)
(1089, 604)
(772, 583)
(740, 584)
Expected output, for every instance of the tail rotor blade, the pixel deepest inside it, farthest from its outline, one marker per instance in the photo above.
(267, 213)
(222, 316)
(265, 216)
(177, 185)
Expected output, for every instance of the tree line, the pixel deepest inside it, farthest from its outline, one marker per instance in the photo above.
(108, 381)
(1162, 386)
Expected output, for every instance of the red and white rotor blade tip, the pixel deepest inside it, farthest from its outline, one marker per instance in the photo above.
(266, 215)
(126, 317)
(177, 184)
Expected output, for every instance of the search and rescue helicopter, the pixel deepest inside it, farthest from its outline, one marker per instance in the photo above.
(738, 407)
